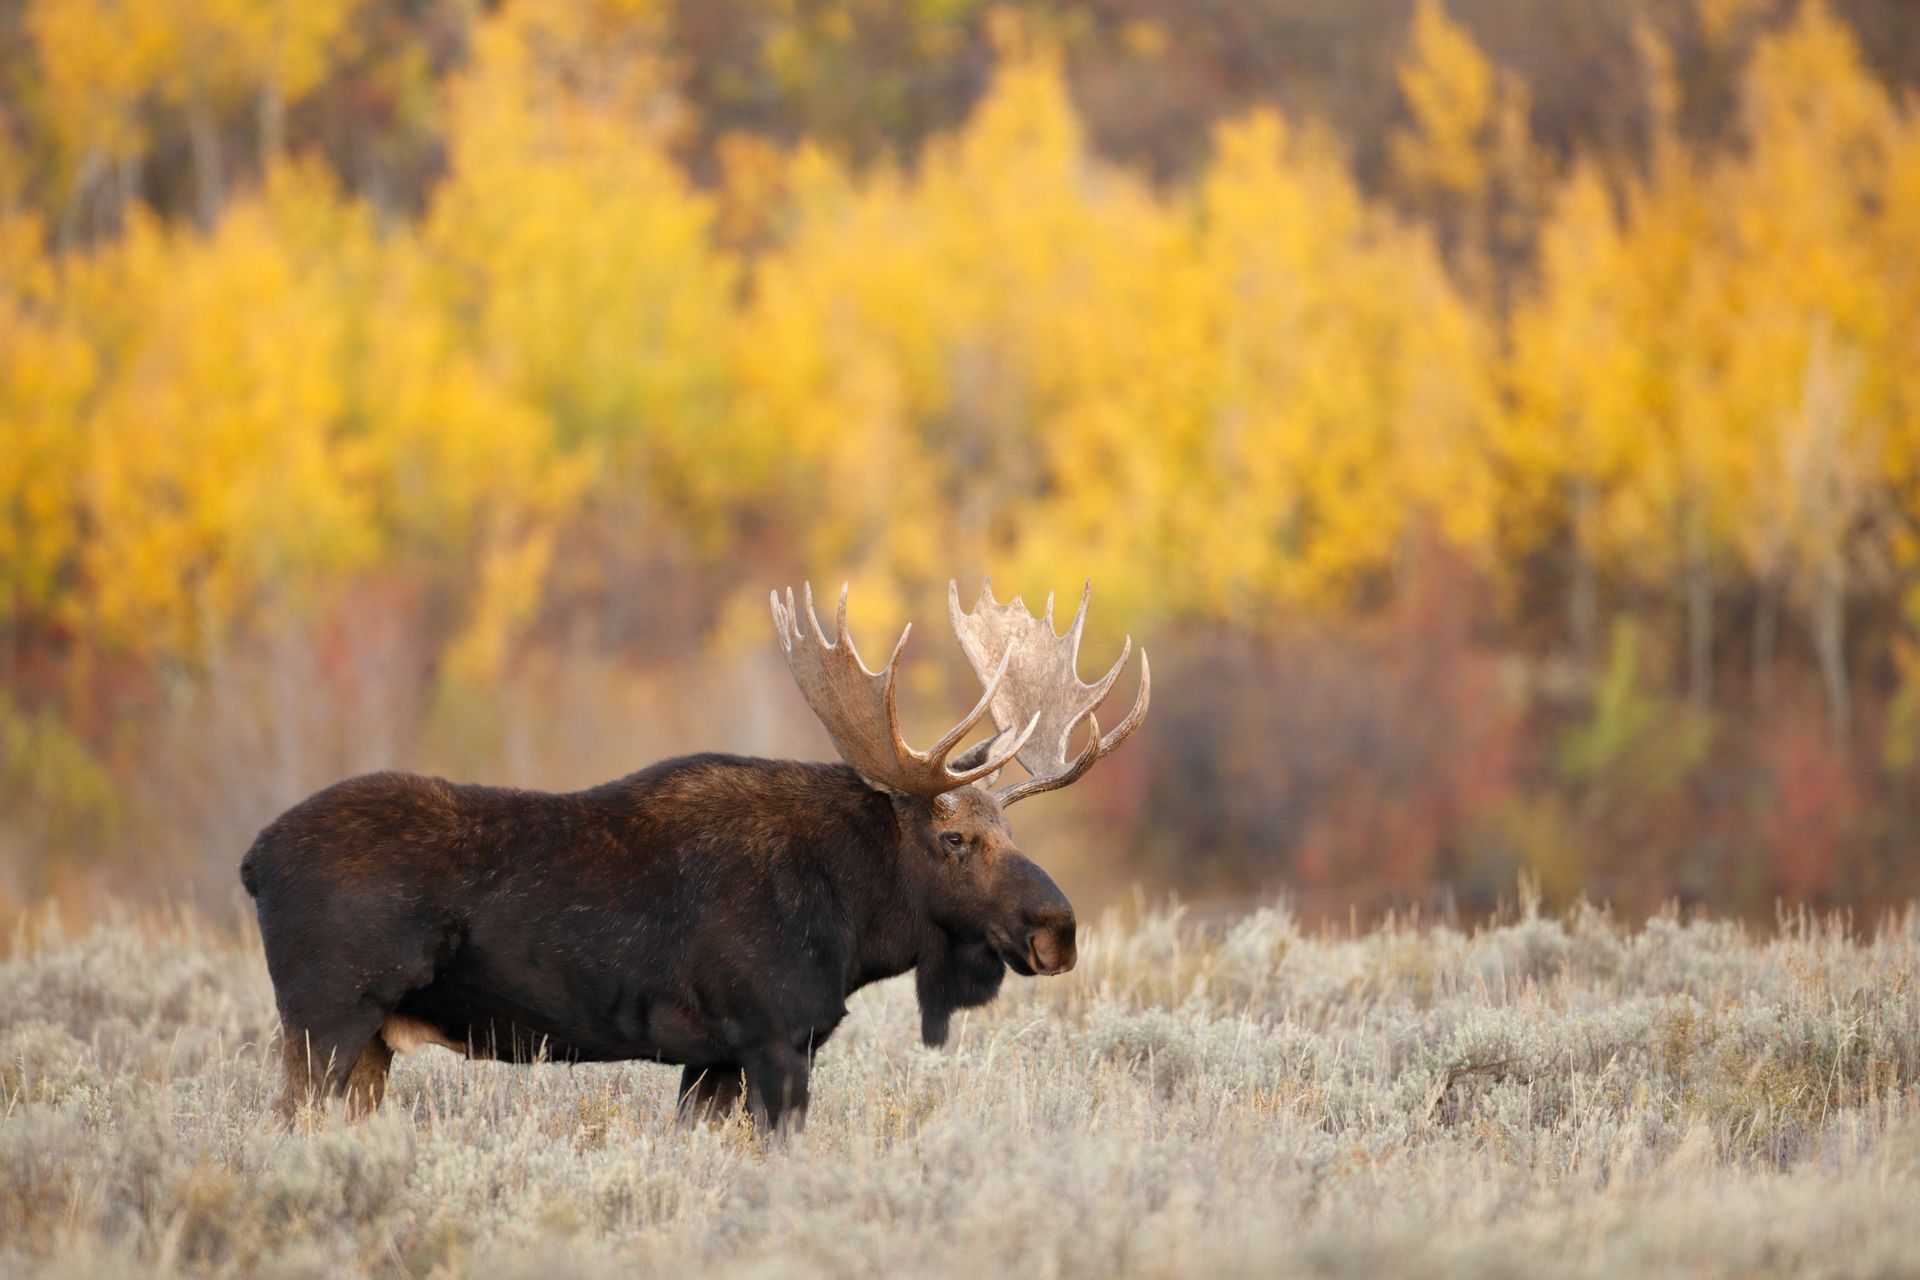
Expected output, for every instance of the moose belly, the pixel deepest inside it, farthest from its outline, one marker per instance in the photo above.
(585, 1022)
(404, 1034)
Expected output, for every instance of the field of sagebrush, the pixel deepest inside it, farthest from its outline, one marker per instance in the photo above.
(1545, 1097)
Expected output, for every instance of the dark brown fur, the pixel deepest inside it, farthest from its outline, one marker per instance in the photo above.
(712, 912)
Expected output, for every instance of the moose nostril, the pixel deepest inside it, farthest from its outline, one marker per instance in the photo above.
(1051, 950)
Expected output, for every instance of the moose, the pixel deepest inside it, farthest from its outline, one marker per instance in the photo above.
(712, 911)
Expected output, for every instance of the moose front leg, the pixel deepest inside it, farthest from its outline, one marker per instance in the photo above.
(709, 1092)
(777, 1088)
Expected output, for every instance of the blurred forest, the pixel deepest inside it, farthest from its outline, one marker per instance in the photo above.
(1500, 420)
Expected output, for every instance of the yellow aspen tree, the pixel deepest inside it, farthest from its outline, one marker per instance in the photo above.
(578, 257)
(1812, 372)
(1897, 239)
(221, 469)
(95, 63)
(1467, 159)
(1355, 380)
(1449, 86)
(47, 371)
(1680, 496)
(947, 349)
(1567, 444)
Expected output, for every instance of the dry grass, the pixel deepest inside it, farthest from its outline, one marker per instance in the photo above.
(1548, 1097)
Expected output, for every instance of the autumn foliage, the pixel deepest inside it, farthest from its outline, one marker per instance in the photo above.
(1500, 503)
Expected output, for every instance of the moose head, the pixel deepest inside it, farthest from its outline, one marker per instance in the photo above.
(993, 905)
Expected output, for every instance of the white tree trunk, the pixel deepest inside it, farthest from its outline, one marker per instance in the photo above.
(1699, 619)
(203, 132)
(1583, 597)
(1829, 644)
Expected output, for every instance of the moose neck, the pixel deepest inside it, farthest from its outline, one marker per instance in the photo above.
(871, 879)
(880, 883)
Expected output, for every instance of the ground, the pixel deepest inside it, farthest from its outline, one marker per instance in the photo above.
(1543, 1097)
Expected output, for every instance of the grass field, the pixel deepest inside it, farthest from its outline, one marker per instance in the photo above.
(1547, 1097)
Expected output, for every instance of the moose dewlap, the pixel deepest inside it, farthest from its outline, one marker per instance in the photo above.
(711, 911)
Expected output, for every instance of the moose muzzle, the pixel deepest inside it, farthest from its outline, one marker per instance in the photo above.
(1050, 947)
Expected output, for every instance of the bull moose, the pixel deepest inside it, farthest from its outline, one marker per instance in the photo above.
(712, 911)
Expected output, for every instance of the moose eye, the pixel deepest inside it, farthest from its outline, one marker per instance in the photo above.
(955, 842)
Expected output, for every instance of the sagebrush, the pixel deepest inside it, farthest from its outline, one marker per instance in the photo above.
(1540, 1097)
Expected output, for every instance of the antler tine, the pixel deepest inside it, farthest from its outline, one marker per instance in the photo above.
(1083, 762)
(1080, 618)
(785, 622)
(858, 710)
(813, 615)
(1135, 717)
(1044, 682)
(1101, 686)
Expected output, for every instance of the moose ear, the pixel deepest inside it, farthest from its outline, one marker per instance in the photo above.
(980, 752)
(972, 758)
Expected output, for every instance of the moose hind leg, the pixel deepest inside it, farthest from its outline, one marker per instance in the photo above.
(323, 1058)
(333, 998)
(710, 1092)
(366, 1085)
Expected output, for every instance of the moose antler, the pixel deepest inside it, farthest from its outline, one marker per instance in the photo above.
(856, 706)
(1038, 676)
